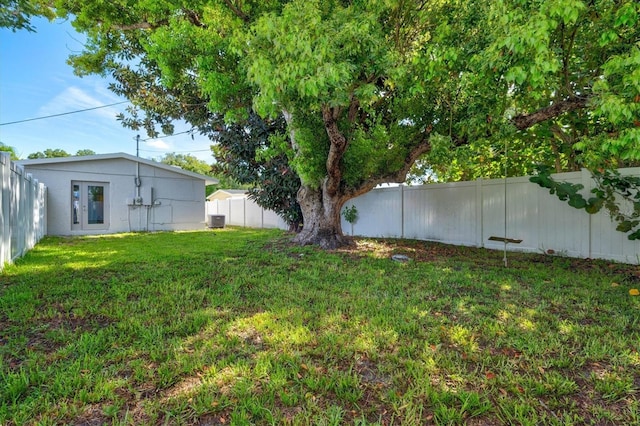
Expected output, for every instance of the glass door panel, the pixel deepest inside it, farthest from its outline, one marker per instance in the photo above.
(95, 204)
(75, 200)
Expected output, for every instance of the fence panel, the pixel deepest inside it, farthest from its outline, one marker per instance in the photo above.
(270, 219)
(253, 215)
(379, 214)
(444, 212)
(236, 212)
(522, 214)
(561, 228)
(608, 243)
(23, 212)
(245, 212)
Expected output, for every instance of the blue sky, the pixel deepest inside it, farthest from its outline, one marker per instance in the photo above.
(35, 81)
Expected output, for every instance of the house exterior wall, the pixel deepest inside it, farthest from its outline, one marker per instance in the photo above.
(170, 201)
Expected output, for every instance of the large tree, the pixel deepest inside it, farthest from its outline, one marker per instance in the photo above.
(250, 152)
(367, 87)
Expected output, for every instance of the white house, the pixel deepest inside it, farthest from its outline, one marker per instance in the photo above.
(225, 194)
(109, 193)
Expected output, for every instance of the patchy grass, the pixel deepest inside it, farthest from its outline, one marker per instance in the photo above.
(236, 326)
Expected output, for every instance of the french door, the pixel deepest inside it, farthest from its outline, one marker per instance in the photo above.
(89, 205)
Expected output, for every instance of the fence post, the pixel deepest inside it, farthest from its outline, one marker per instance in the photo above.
(5, 199)
(402, 210)
(28, 211)
(479, 210)
(589, 184)
(22, 211)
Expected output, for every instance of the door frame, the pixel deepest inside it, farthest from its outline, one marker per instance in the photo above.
(80, 205)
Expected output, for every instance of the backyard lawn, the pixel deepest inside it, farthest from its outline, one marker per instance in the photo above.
(236, 326)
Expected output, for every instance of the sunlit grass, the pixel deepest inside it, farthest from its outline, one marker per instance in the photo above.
(235, 326)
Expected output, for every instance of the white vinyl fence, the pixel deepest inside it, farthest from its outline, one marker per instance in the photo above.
(469, 213)
(244, 212)
(23, 214)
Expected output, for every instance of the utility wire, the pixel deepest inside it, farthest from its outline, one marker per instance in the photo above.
(63, 113)
(167, 136)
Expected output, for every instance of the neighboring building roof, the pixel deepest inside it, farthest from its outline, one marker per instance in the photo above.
(223, 194)
(119, 155)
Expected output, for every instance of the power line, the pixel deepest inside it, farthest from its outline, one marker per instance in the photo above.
(63, 113)
(167, 136)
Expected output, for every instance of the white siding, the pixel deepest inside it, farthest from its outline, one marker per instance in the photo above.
(170, 200)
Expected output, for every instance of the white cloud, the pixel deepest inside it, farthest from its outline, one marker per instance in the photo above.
(158, 144)
(74, 98)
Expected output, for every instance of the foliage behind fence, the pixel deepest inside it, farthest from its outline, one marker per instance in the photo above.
(23, 210)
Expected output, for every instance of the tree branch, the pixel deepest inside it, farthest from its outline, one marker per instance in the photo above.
(236, 10)
(136, 26)
(191, 15)
(524, 121)
(338, 145)
(397, 176)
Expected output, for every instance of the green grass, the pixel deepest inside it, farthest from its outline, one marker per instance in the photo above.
(236, 326)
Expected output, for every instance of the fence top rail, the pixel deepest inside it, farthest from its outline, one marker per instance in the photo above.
(567, 176)
(19, 170)
(443, 185)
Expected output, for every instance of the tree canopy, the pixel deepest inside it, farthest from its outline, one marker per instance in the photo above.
(49, 153)
(16, 14)
(187, 162)
(563, 76)
(83, 152)
(11, 150)
(249, 152)
(57, 152)
(369, 87)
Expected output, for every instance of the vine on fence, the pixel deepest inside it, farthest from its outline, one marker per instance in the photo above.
(619, 195)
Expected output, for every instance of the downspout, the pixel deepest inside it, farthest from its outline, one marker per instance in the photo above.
(137, 178)
(137, 181)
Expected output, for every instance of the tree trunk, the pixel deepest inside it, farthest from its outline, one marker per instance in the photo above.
(321, 207)
(322, 223)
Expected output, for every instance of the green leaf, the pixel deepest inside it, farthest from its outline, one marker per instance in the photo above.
(594, 205)
(577, 201)
(627, 225)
